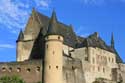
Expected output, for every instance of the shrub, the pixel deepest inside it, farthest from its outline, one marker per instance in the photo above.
(11, 79)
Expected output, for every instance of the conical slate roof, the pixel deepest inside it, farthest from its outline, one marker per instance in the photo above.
(53, 28)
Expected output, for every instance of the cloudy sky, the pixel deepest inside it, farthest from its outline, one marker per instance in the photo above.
(87, 16)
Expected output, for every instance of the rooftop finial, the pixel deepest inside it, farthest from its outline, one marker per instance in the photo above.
(96, 34)
(53, 17)
(33, 10)
(112, 40)
(71, 27)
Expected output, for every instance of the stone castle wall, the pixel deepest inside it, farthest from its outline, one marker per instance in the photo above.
(29, 71)
(96, 62)
(24, 50)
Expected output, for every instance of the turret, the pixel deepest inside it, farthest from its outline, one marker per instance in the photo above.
(53, 60)
(112, 41)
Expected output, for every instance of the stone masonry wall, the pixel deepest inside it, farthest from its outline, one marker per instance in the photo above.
(29, 71)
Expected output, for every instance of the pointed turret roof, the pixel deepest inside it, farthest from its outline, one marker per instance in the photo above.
(33, 11)
(112, 41)
(53, 25)
(21, 36)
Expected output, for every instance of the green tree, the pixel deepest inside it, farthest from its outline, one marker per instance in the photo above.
(11, 79)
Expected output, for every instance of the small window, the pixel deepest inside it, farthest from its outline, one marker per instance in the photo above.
(86, 58)
(18, 69)
(112, 60)
(73, 68)
(38, 69)
(53, 52)
(28, 69)
(57, 67)
(109, 59)
(93, 60)
(10, 69)
(99, 69)
(93, 68)
(3, 69)
(49, 67)
(103, 70)
(59, 37)
(69, 54)
(47, 46)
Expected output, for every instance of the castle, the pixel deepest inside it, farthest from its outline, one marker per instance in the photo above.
(50, 51)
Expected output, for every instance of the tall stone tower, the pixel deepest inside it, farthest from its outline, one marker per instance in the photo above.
(53, 60)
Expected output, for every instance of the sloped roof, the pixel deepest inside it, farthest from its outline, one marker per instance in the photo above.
(53, 28)
(95, 41)
(21, 36)
(64, 30)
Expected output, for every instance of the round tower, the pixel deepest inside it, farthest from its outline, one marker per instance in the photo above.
(53, 60)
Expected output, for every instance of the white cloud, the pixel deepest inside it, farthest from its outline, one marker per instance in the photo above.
(11, 16)
(14, 13)
(43, 3)
(3, 46)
